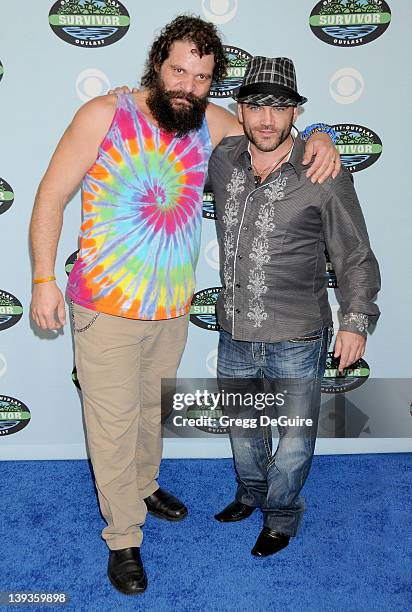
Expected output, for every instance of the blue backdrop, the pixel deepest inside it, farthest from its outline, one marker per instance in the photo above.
(352, 62)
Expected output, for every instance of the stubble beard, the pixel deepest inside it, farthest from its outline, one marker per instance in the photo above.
(264, 145)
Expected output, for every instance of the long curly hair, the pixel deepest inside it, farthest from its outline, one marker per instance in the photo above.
(201, 33)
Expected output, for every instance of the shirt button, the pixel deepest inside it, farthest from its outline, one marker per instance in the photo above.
(250, 199)
(239, 256)
(237, 285)
(237, 310)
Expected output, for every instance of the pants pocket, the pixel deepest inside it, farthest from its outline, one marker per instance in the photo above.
(309, 338)
(83, 318)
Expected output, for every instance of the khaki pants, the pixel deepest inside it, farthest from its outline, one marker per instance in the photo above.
(120, 363)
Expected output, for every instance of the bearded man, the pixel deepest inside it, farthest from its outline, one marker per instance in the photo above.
(142, 160)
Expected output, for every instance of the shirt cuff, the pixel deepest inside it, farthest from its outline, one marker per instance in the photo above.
(355, 322)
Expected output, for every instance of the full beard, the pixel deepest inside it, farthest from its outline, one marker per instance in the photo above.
(180, 118)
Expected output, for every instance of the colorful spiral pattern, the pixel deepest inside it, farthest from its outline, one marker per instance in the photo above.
(142, 214)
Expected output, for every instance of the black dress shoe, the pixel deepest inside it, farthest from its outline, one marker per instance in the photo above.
(126, 572)
(269, 542)
(236, 511)
(166, 506)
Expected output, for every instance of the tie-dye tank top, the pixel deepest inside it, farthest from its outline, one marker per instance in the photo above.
(142, 214)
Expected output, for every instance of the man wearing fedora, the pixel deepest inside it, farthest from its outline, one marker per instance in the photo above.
(273, 225)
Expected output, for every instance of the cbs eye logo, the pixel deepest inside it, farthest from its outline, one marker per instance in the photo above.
(212, 254)
(3, 365)
(211, 362)
(219, 11)
(91, 83)
(346, 85)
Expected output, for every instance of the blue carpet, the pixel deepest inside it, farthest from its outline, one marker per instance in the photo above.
(351, 555)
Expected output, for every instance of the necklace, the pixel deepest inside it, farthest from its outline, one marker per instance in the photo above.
(258, 175)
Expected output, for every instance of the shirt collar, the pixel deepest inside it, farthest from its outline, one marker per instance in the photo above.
(295, 159)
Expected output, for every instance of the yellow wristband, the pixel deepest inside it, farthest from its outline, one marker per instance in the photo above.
(47, 279)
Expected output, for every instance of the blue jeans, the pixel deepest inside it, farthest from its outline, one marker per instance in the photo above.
(294, 369)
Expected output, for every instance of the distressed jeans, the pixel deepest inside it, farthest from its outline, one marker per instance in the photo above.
(294, 370)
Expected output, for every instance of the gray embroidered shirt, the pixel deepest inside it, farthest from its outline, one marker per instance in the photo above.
(272, 241)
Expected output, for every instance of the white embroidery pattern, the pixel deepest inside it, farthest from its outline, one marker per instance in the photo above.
(360, 320)
(230, 219)
(259, 254)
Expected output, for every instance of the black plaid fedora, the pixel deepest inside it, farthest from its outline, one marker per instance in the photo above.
(269, 81)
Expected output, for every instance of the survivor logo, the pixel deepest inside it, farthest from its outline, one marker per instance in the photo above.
(347, 23)
(89, 23)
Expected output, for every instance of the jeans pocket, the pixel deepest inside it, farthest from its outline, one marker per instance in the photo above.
(83, 318)
(307, 338)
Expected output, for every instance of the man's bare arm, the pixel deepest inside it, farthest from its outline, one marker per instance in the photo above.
(74, 155)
